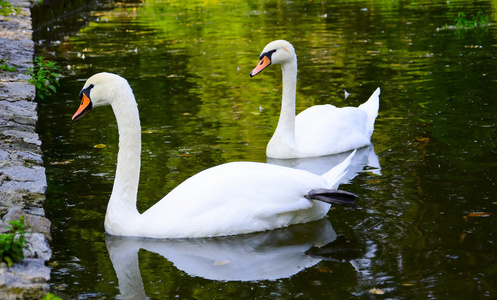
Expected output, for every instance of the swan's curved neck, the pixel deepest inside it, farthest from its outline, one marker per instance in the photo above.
(122, 205)
(285, 131)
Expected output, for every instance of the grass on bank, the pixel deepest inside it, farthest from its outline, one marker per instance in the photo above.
(4, 67)
(13, 242)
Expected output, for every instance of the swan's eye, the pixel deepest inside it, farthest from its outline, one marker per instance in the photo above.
(267, 54)
(87, 90)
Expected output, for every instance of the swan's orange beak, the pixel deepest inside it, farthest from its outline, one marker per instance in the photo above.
(263, 63)
(83, 109)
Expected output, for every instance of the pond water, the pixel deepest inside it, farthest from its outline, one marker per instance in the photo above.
(428, 186)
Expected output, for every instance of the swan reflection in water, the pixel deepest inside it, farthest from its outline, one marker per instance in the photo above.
(364, 159)
(267, 255)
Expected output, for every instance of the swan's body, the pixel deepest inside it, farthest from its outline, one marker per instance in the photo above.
(321, 129)
(232, 198)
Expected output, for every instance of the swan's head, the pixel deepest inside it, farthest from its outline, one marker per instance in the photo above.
(276, 52)
(99, 90)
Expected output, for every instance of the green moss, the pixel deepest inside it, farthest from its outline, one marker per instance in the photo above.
(6, 8)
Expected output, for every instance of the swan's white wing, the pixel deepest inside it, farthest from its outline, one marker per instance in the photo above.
(324, 129)
(238, 198)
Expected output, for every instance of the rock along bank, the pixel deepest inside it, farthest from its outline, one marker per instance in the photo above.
(22, 176)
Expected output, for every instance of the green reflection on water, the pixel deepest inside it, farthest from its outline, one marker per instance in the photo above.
(188, 64)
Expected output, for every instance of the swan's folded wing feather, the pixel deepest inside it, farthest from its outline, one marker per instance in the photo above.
(324, 129)
(240, 197)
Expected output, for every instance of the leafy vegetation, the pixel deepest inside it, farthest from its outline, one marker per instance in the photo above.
(6, 68)
(50, 296)
(13, 242)
(477, 21)
(6, 8)
(44, 76)
(464, 22)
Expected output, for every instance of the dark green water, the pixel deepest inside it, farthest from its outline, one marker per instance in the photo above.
(188, 64)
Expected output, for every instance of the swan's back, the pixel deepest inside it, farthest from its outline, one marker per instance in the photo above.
(236, 198)
(324, 129)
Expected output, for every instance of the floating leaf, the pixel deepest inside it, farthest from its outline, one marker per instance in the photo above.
(376, 291)
(479, 214)
(99, 146)
(222, 262)
(152, 131)
(325, 270)
(65, 162)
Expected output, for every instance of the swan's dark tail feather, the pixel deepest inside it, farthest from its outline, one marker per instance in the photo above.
(333, 197)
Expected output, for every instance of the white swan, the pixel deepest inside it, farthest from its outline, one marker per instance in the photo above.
(233, 198)
(321, 129)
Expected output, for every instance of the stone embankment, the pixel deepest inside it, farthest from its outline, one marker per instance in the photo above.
(22, 176)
